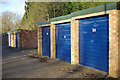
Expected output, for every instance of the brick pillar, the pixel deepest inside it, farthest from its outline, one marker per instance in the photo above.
(52, 36)
(74, 41)
(39, 41)
(14, 39)
(114, 44)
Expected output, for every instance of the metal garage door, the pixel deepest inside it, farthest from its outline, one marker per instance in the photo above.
(63, 41)
(46, 41)
(16, 40)
(93, 42)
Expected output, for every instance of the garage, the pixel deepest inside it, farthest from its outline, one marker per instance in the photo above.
(46, 41)
(63, 41)
(94, 42)
(22, 39)
(89, 37)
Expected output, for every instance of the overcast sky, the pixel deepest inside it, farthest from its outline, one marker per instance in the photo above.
(15, 6)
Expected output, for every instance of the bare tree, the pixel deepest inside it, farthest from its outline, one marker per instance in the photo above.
(9, 21)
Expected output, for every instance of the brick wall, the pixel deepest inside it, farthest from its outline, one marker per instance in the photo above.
(28, 39)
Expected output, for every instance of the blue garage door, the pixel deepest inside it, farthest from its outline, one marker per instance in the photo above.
(16, 40)
(46, 41)
(63, 41)
(93, 42)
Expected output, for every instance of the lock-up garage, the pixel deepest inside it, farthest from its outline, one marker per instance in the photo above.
(44, 39)
(93, 39)
(63, 41)
(22, 39)
(94, 42)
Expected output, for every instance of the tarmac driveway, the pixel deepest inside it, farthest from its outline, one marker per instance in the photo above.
(25, 64)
